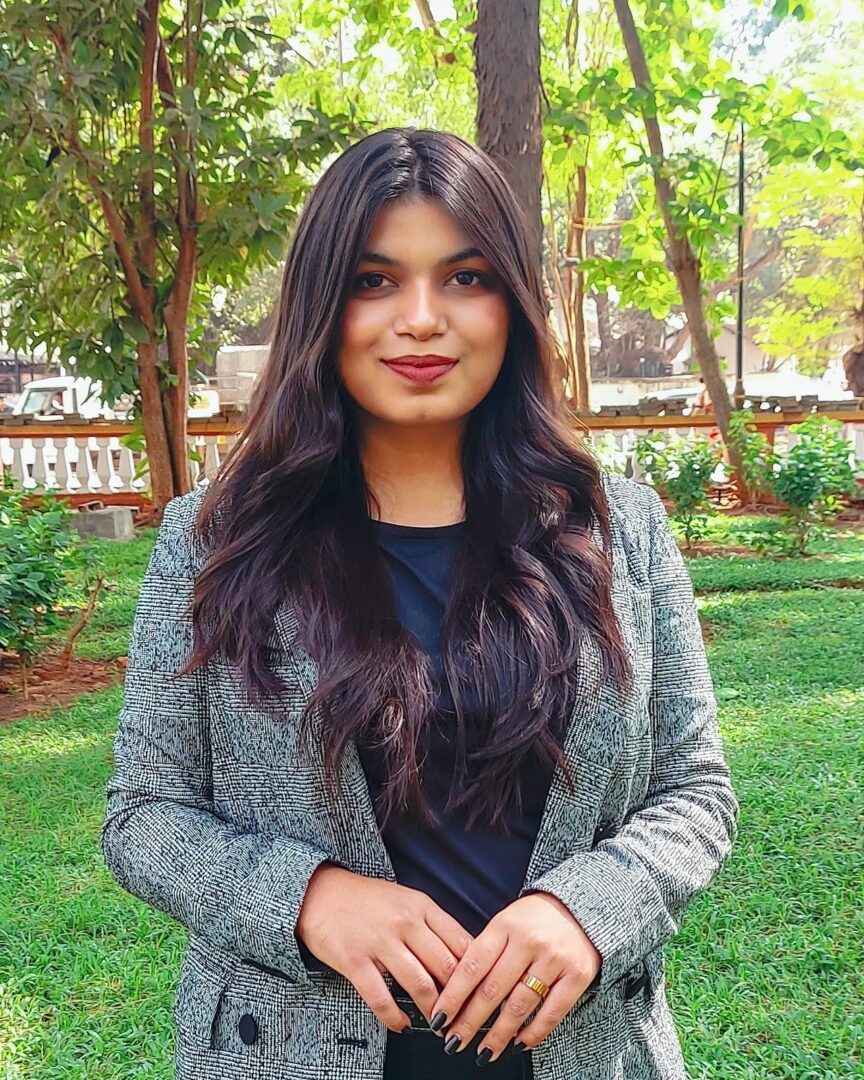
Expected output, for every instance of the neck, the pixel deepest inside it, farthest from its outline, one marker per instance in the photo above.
(414, 473)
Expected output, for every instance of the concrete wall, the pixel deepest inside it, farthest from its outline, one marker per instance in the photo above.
(237, 368)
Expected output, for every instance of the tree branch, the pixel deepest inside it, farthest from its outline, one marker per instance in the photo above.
(113, 218)
(427, 18)
(149, 20)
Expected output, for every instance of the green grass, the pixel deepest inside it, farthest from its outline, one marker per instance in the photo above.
(765, 976)
(837, 558)
(766, 973)
(86, 973)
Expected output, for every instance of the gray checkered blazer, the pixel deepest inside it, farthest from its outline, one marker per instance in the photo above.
(215, 818)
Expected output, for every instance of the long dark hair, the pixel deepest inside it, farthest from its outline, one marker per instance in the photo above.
(288, 517)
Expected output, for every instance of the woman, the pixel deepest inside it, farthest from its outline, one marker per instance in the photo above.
(419, 740)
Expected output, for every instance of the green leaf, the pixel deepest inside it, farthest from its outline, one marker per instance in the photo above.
(135, 329)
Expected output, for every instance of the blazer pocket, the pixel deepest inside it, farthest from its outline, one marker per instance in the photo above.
(204, 978)
(641, 986)
(254, 1028)
(263, 1015)
(227, 1009)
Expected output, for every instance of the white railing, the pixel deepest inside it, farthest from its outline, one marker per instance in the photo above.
(98, 464)
(80, 463)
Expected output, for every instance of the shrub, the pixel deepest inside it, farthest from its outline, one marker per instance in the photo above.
(812, 480)
(681, 471)
(38, 554)
(606, 452)
(756, 453)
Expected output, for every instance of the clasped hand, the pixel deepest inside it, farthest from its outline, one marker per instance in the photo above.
(363, 927)
(535, 935)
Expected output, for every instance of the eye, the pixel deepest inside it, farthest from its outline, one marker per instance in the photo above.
(471, 274)
(369, 282)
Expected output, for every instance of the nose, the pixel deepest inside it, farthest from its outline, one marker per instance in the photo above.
(421, 312)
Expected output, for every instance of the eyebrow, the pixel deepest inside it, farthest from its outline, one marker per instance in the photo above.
(385, 260)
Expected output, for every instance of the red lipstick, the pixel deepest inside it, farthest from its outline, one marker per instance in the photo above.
(421, 369)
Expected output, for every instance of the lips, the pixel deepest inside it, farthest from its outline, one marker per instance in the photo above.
(429, 360)
(421, 369)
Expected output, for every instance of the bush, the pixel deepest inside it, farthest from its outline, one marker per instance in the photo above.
(681, 471)
(756, 453)
(812, 480)
(38, 554)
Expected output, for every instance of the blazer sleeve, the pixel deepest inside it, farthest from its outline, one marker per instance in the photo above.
(630, 892)
(162, 839)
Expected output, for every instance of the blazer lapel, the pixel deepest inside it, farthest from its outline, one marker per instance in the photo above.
(356, 839)
(592, 743)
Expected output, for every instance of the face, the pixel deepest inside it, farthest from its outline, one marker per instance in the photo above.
(421, 290)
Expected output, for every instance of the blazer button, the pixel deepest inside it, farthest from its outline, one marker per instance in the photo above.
(248, 1029)
(604, 831)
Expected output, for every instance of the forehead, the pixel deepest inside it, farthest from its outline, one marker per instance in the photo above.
(416, 232)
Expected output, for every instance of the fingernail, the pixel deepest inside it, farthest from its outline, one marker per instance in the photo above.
(438, 1021)
(483, 1058)
(452, 1044)
(519, 1047)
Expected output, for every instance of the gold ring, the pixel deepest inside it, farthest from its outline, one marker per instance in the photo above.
(536, 985)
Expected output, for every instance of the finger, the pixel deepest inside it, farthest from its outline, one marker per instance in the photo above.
(493, 989)
(557, 1003)
(433, 954)
(452, 933)
(506, 989)
(413, 976)
(369, 984)
(479, 959)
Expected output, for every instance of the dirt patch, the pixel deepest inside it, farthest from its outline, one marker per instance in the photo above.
(50, 686)
(705, 547)
(851, 518)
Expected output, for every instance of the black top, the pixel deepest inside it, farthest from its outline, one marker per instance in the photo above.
(470, 874)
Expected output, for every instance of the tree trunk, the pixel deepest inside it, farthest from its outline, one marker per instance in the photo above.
(685, 263)
(177, 400)
(604, 319)
(576, 291)
(155, 433)
(509, 124)
(853, 359)
(177, 395)
(164, 435)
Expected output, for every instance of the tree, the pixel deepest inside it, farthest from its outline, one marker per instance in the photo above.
(683, 256)
(568, 133)
(799, 272)
(800, 307)
(509, 127)
(141, 164)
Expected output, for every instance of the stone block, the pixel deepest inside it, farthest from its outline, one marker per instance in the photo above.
(109, 523)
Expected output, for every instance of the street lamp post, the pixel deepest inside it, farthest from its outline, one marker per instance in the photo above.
(739, 336)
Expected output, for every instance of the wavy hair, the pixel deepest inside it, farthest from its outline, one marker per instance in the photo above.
(287, 519)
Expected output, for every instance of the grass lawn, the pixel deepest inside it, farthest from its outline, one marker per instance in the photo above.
(765, 977)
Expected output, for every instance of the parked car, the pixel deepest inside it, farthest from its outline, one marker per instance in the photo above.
(68, 396)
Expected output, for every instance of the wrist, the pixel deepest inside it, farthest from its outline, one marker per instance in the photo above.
(559, 905)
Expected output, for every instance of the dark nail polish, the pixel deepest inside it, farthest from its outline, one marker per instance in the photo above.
(483, 1058)
(438, 1021)
(519, 1047)
(452, 1044)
